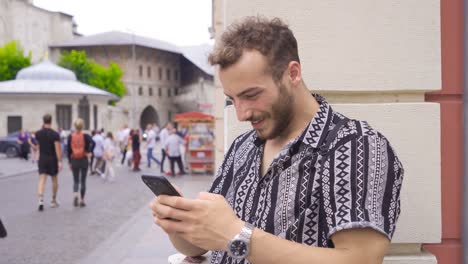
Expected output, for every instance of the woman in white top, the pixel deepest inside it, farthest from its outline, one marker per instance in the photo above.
(109, 155)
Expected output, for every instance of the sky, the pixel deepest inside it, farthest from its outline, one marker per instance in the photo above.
(180, 22)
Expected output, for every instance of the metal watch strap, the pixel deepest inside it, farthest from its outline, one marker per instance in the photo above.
(246, 231)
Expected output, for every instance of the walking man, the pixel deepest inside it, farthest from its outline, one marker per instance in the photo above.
(150, 143)
(136, 139)
(50, 160)
(123, 141)
(173, 145)
(163, 135)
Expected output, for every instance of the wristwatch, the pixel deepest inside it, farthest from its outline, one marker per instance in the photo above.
(239, 246)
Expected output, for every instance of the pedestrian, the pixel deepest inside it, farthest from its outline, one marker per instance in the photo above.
(79, 148)
(129, 155)
(156, 130)
(136, 139)
(63, 141)
(173, 147)
(23, 141)
(306, 185)
(150, 143)
(123, 141)
(98, 152)
(91, 159)
(3, 232)
(163, 137)
(50, 160)
(34, 148)
(109, 155)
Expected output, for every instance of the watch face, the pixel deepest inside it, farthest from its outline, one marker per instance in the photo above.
(238, 248)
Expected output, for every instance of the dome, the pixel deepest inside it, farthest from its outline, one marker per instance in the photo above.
(45, 70)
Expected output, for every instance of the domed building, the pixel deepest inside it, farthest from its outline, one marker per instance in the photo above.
(47, 88)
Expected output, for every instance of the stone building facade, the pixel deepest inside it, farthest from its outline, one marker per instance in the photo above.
(161, 79)
(35, 28)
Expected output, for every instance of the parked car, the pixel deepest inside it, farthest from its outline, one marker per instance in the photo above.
(9, 145)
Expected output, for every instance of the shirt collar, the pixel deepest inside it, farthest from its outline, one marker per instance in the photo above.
(315, 131)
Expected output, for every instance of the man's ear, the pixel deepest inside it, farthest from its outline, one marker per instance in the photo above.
(294, 73)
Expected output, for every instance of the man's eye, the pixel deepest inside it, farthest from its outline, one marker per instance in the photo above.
(250, 96)
(228, 102)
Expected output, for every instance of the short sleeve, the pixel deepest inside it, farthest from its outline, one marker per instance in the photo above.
(361, 182)
(56, 137)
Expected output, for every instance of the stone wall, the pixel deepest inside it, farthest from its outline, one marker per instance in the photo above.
(35, 28)
(32, 107)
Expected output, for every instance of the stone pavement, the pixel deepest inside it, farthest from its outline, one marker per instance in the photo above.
(139, 240)
(10, 167)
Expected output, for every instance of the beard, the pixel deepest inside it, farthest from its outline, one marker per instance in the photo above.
(281, 115)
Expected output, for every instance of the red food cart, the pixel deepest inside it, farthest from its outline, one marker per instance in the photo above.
(198, 128)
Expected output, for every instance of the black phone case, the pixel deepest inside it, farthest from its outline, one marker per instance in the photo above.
(159, 185)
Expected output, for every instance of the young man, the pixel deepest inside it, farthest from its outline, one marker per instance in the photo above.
(163, 135)
(150, 143)
(172, 147)
(306, 185)
(50, 160)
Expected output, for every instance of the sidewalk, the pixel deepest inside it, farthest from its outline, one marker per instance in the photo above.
(15, 166)
(140, 241)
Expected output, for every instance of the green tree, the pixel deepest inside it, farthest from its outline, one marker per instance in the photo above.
(94, 74)
(12, 60)
(78, 62)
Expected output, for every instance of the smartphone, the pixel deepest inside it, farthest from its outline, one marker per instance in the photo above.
(159, 185)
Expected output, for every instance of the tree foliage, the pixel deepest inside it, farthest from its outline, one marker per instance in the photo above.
(94, 74)
(12, 60)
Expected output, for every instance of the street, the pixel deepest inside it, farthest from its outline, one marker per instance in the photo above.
(70, 234)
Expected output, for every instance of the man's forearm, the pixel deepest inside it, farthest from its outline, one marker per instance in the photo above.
(267, 248)
(185, 247)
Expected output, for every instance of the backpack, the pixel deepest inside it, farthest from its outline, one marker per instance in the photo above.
(78, 146)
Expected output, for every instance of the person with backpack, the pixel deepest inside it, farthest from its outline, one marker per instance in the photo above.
(79, 149)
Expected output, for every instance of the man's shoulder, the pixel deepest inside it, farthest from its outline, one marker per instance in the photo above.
(355, 129)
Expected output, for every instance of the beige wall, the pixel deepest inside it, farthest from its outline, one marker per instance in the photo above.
(33, 107)
(373, 61)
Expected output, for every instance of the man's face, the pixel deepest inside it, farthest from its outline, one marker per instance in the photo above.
(257, 98)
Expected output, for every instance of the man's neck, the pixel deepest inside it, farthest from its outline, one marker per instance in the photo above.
(46, 126)
(304, 109)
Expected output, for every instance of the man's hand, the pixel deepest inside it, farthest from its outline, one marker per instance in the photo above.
(207, 222)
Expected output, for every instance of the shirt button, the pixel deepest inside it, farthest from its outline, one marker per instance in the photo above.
(262, 185)
(253, 218)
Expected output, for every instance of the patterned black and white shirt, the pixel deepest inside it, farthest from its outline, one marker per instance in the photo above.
(317, 185)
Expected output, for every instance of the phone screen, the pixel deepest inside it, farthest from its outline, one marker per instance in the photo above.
(159, 185)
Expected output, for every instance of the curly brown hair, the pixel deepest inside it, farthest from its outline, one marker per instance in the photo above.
(272, 38)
